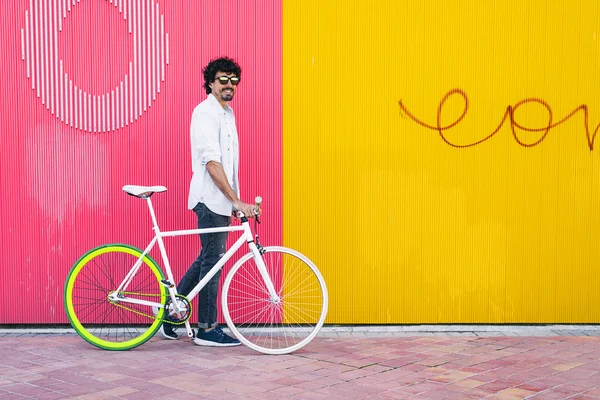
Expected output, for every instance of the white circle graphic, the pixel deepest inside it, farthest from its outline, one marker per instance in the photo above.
(62, 97)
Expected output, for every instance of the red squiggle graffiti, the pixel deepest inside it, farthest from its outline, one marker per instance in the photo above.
(508, 114)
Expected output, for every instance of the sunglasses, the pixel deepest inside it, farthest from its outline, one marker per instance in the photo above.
(223, 80)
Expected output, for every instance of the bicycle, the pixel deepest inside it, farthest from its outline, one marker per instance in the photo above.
(274, 299)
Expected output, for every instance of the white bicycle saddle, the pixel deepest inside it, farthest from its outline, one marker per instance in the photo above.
(143, 191)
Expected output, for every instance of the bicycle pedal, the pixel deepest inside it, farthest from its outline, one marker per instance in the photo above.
(167, 283)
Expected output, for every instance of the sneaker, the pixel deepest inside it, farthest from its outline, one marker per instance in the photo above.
(165, 330)
(215, 338)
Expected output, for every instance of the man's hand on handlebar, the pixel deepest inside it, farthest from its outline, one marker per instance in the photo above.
(249, 210)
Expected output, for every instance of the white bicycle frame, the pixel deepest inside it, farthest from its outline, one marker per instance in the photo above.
(158, 238)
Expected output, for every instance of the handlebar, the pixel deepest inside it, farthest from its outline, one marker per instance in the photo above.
(258, 202)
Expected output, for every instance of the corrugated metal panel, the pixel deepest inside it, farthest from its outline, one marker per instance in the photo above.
(61, 174)
(409, 229)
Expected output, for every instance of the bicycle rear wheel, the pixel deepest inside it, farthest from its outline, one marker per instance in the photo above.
(275, 326)
(107, 324)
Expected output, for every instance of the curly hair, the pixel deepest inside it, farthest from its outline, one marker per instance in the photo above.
(223, 64)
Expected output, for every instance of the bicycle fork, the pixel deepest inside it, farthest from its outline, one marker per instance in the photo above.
(274, 298)
(258, 251)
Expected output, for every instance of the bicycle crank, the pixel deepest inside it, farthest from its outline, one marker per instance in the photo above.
(178, 318)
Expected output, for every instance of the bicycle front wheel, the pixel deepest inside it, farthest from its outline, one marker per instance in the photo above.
(284, 324)
(105, 323)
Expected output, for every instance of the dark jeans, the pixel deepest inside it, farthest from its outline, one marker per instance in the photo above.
(213, 248)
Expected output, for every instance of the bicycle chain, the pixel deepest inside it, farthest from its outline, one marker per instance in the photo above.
(185, 299)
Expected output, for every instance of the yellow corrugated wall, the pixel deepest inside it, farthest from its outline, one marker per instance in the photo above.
(407, 228)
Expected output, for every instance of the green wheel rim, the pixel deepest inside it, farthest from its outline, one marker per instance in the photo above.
(70, 309)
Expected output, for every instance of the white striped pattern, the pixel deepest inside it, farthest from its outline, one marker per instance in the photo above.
(65, 99)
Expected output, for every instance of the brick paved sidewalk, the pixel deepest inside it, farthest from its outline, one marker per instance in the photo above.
(336, 365)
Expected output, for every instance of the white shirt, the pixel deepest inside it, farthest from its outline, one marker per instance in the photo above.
(213, 138)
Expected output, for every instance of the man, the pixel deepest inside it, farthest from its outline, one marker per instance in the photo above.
(214, 192)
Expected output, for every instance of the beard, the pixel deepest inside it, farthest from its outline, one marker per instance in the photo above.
(227, 96)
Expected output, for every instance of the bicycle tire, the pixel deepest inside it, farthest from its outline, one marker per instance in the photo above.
(106, 324)
(261, 324)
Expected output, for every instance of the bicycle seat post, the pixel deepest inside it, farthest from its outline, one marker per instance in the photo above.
(152, 215)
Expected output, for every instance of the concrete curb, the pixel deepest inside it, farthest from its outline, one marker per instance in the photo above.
(460, 328)
(402, 330)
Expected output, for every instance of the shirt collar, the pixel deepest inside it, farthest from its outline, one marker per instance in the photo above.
(213, 100)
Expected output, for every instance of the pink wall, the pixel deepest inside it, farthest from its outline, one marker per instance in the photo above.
(60, 185)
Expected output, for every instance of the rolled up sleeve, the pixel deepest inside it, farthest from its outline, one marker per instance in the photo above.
(205, 136)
